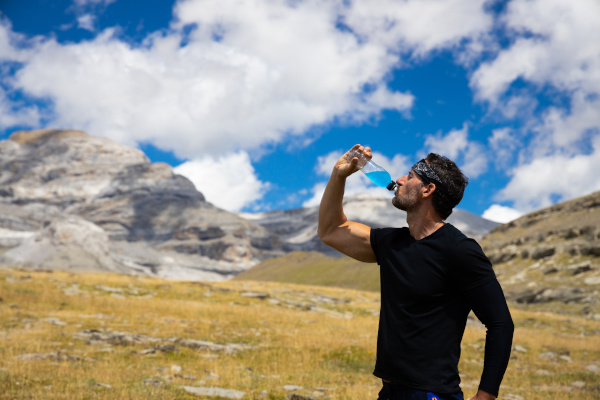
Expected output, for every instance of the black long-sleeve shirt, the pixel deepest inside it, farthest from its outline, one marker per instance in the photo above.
(428, 288)
(489, 305)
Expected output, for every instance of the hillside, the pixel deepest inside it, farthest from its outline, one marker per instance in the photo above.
(313, 268)
(548, 260)
(551, 257)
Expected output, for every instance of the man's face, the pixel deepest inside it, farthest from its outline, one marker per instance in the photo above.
(407, 192)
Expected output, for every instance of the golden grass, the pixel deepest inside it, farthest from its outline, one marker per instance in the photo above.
(321, 339)
(313, 268)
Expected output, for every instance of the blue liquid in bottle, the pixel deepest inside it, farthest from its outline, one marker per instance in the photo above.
(380, 178)
(374, 172)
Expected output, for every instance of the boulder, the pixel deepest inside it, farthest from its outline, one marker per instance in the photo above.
(70, 243)
(563, 294)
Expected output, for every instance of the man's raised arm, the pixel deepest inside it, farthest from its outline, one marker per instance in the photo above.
(350, 238)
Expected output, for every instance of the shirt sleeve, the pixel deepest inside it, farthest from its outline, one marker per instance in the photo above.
(477, 282)
(374, 242)
(380, 240)
(473, 268)
(489, 305)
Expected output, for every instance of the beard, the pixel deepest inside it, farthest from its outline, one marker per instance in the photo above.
(408, 201)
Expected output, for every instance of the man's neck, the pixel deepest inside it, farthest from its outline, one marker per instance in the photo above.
(422, 223)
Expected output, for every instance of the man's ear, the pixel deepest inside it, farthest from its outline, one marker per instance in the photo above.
(429, 189)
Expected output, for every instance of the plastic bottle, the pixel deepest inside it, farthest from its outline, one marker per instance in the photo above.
(374, 172)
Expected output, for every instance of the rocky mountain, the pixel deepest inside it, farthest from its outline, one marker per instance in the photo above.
(297, 228)
(551, 255)
(72, 201)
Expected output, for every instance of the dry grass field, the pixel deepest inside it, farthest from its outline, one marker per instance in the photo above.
(102, 336)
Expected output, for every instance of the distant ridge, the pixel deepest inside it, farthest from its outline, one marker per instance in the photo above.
(297, 228)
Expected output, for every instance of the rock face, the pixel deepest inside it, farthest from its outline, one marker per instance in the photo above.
(72, 201)
(298, 228)
(550, 255)
(571, 228)
(60, 167)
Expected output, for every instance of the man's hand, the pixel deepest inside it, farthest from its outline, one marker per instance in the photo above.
(482, 395)
(344, 168)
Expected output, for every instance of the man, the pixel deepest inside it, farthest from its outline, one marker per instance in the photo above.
(431, 277)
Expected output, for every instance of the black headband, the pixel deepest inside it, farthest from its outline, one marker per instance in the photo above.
(428, 175)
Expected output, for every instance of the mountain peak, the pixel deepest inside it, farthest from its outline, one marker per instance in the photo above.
(42, 135)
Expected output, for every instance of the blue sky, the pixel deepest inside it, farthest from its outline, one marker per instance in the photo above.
(255, 100)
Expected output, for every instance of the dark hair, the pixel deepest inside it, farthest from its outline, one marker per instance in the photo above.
(454, 182)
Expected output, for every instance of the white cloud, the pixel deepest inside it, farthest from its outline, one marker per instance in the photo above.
(470, 156)
(276, 70)
(228, 181)
(553, 53)
(86, 3)
(451, 145)
(565, 130)
(86, 21)
(87, 12)
(521, 105)
(553, 45)
(251, 73)
(543, 180)
(317, 192)
(7, 51)
(501, 214)
(14, 46)
(325, 163)
(14, 113)
(475, 160)
(421, 26)
(503, 145)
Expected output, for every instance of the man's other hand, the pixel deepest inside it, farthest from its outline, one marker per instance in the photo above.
(481, 395)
